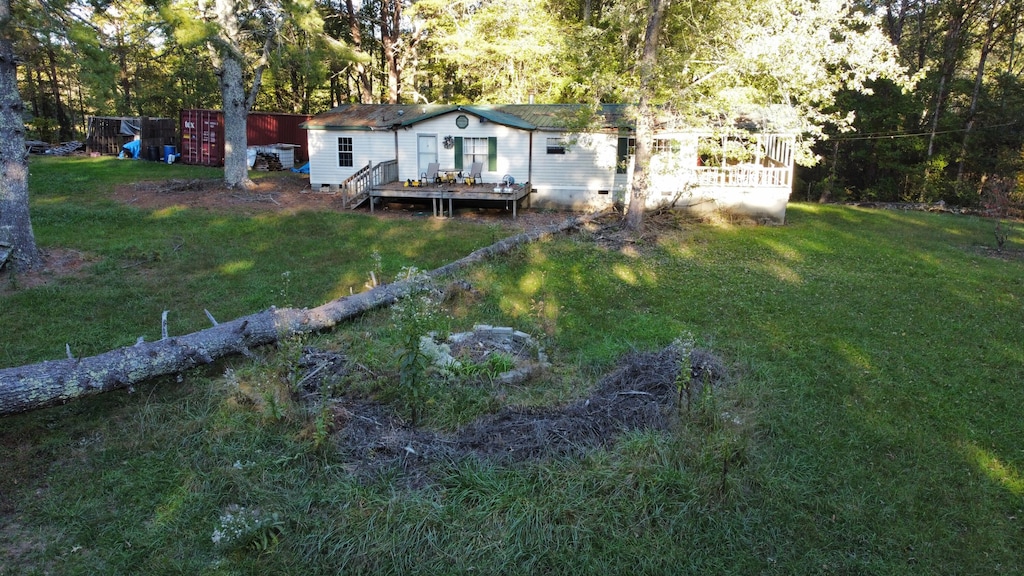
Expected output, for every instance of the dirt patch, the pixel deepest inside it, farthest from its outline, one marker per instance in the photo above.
(57, 263)
(1006, 254)
(289, 193)
(641, 394)
(283, 193)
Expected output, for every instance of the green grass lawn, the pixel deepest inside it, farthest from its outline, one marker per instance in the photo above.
(873, 423)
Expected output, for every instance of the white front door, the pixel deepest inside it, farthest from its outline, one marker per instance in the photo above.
(426, 152)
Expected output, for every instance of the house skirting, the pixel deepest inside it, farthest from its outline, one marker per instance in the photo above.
(763, 204)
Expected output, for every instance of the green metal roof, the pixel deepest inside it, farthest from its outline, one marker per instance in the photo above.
(490, 114)
(555, 117)
(521, 116)
(569, 116)
(365, 116)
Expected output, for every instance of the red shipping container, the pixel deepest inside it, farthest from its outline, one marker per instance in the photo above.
(202, 134)
(202, 137)
(267, 128)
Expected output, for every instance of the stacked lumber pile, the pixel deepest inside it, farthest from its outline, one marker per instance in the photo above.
(267, 163)
(36, 146)
(65, 148)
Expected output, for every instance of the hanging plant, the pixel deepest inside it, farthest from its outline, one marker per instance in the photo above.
(449, 142)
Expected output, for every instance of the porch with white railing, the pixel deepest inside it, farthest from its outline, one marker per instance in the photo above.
(741, 175)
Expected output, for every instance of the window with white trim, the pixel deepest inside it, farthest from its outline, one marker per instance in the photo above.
(663, 145)
(474, 150)
(556, 145)
(345, 156)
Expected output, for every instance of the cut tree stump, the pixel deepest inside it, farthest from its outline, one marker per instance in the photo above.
(56, 382)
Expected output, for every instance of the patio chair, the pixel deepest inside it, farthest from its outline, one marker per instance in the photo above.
(431, 174)
(474, 174)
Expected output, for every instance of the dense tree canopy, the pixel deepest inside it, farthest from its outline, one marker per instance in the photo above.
(835, 69)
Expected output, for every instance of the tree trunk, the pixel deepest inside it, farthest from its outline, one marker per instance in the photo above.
(63, 124)
(645, 118)
(641, 161)
(364, 85)
(390, 33)
(952, 49)
(58, 381)
(16, 236)
(125, 75)
(988, 43)
(236, 165)
(227, 53)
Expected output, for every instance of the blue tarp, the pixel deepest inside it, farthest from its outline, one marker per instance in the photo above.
(303, 170)
(133, 148)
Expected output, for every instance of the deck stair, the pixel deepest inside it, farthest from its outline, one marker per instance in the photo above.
(356, 187)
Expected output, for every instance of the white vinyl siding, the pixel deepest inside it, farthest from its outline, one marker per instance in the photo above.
(513, 147)
(324, 158)
(589, 164)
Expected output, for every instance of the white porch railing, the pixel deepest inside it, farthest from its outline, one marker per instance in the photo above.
(385, 172)
(356, 188)
(742, 175)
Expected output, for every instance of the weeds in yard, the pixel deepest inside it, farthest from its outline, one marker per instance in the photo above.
(322, 424)
(376, 270)
(684, 379)
(498, 363)
(1001, 234)
(492, 366)
(414, 318)
(271, 383)
(239, 527)
(286, 278)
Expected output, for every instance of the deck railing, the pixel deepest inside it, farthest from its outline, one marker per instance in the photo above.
(353, 182)
(741, 175)
(385, 172)
(356, 188)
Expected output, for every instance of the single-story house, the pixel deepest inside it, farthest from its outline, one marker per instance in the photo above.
(561, 158)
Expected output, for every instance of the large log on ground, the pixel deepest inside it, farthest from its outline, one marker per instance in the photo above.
(55, 382)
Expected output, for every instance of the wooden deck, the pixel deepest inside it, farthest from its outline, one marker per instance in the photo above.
(452, 193)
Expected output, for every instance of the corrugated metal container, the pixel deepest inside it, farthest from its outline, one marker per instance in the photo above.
(202, 137)
(266, 128)
(202, 134)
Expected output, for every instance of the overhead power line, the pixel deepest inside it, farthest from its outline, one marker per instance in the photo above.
(894, 135)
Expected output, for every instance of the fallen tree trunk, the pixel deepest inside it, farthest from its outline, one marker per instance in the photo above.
(55, 382)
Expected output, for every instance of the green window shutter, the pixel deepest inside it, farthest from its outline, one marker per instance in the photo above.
(492, 154)
(458, 152)
(620, 165)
